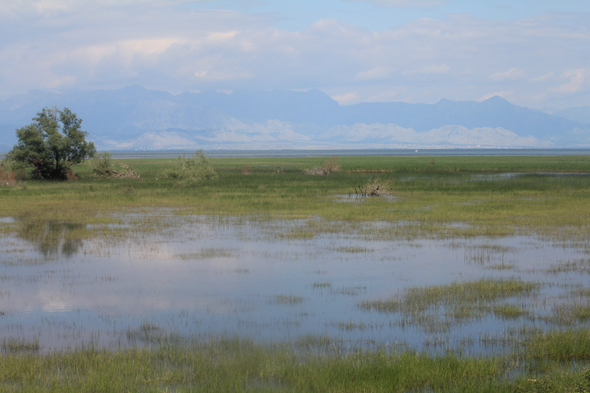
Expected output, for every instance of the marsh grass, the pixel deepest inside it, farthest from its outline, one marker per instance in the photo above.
(14, 345)
(569, 314)
(570, 344)
(578, 266)
(432, 197)
(297, 234)
(150, 334)
(493, 248)
(127, 190)
(207, 253)
(321, 285)
(439, 307)
(320, 343)
(582, 292)
(509, 311)
(350, 290)
(317, 365)
(287, 299)
(500, 266)
(350, 325)
(449, 200)
(354, 250)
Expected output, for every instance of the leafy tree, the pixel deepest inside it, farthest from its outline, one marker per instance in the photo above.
(52, 144)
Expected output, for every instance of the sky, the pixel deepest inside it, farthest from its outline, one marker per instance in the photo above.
(534, 53)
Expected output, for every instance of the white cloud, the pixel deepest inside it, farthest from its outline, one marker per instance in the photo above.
(347, 98)
(543, 78)
(430, 70)
(577, 79)
(169, 46)
(513, 73)
(376, 73)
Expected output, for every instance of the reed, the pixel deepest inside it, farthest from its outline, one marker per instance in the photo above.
(226, 364)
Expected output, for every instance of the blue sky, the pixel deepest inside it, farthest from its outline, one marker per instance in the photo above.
(534, 53)
(379, 15)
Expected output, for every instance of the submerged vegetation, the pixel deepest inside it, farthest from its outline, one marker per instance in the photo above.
(544, 348)
(438, 307)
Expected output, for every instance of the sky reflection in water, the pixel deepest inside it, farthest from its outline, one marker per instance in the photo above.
(207, 276)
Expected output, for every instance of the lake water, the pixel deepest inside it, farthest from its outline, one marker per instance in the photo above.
(120, 154)
(200, 276)
(351, 152)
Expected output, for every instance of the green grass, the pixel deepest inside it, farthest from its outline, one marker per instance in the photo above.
(508, 311)
(461, 301)
(571, 344)
(569, 314)
(474, 292)
(14, 345)
(428, 197)
(232, 365)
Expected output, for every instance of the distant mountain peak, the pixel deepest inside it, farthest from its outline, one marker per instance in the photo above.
(496, 99)
(130, 115)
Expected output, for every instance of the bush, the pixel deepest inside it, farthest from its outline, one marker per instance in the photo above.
(329, 166)
(374, 188)
(10, 177)
(102, 163)
(105, 168)
(190, 172)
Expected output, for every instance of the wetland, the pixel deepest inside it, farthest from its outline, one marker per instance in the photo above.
(471, 274)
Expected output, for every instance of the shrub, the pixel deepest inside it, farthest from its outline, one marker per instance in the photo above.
(246, 170)
(329, 166)
(374, 188)
(190, 172)
(104, 167)
(102, 163)
(10, 177)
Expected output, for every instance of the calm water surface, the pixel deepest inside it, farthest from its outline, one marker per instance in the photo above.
(266, 280)
(349, 152)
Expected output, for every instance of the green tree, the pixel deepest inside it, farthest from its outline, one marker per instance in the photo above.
(52, 144)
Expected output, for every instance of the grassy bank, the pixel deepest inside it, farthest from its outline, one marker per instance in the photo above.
(555, 363)
(468, 190)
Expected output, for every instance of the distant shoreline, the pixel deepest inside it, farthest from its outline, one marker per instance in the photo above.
(122, 154)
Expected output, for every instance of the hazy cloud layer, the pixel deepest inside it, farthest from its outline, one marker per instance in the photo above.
(538, 61)
(277, 134)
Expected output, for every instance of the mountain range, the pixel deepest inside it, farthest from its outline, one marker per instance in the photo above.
(134, 118)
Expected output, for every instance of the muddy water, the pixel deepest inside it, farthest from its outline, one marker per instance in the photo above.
(270, 281)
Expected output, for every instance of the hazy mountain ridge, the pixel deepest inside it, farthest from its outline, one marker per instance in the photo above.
(136, 118)
(581, 114)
